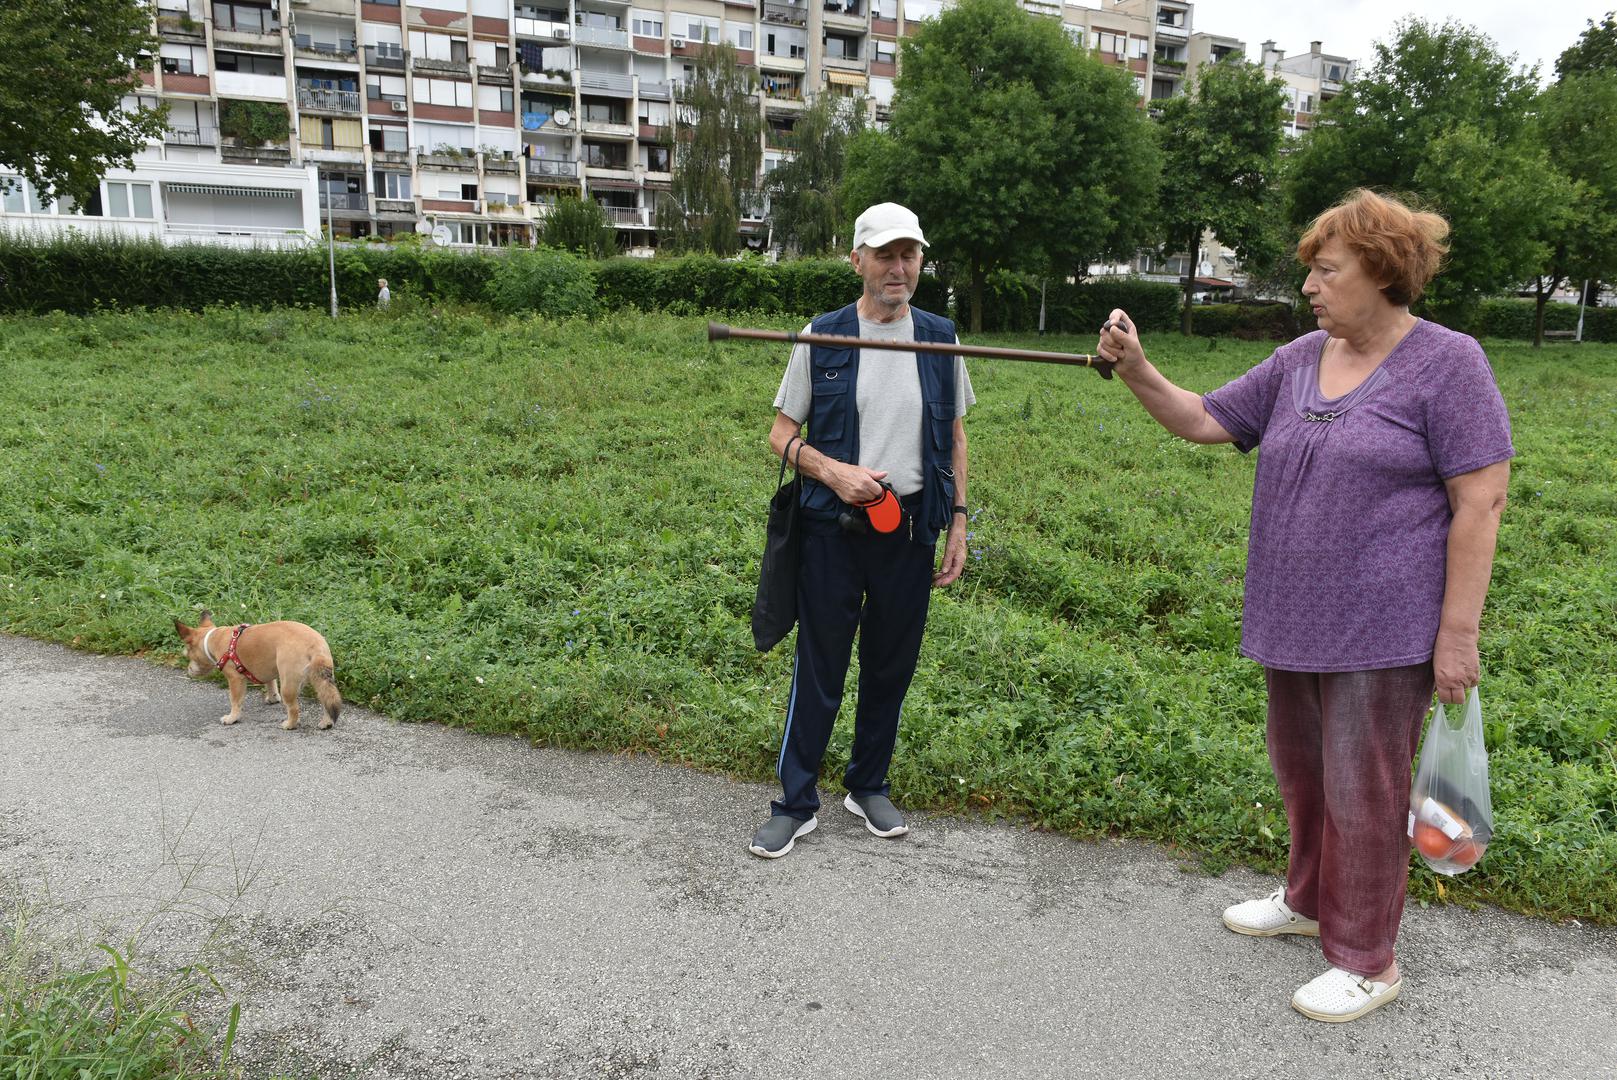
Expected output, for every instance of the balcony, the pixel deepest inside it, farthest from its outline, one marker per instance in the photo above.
(493, 76)
(771, 62)
(845, 63)
(447, 162)
(493, 164)
(386, 57)
(179, 26)
(607, 128)
(251, 40)
(552, 169)
(627, 216)
(606, 82)
(390, 157)
(318, 50)
(236, 84)
(233, 152)
(426, 64)
(602, 36)
(395, 206)
(197, 136)
(655, 91)
(347, 153)
(543, 29)
(845, 13)
(1169, 30)
(656, 133)
(319, 99)
(349, 202)
(786, 14)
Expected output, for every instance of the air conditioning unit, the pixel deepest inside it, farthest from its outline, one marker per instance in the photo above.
(399, 106)
(678, 43)
(563, 32)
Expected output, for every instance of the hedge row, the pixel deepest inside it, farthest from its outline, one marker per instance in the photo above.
(78, 274)
(1514, 319)
(1011, 303)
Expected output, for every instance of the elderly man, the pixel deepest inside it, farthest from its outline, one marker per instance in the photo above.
(882, 423)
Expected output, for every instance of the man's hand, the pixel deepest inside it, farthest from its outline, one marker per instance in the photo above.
(1455, 666)
(954, 557)
(855, 484)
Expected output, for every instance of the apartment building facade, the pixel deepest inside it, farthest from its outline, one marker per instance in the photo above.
(465, 120)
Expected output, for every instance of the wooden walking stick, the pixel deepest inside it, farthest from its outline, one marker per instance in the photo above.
(721, 332)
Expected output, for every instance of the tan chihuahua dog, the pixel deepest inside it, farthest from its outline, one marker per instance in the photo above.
(281, 655)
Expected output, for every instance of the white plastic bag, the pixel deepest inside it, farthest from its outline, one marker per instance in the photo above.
(1450, 813)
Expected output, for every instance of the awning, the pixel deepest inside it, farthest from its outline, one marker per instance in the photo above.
(230, 190)
(846, 78)
(612, 185)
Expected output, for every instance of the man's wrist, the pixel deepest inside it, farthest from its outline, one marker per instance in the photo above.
(959, 509)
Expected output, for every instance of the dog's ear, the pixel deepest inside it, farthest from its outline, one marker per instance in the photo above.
(183, 630)
(206, 619)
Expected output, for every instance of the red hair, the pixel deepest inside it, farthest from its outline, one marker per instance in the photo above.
(1400, 247)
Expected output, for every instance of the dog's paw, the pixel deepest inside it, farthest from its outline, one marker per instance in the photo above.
(229, 718)
(325, 723)
(289, 725)
(272, 699)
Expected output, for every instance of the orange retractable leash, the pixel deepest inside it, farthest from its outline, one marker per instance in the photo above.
(883, 513)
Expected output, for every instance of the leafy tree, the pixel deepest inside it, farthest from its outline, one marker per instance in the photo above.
(718, 151)
(1577, 119)
(1436, 99)
(805, 190)
(1017, 148)
(1221, 146)
(1596, 49)
(65, 68)
(579, 225)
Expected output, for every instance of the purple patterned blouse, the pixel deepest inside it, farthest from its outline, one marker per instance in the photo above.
(1350, 517)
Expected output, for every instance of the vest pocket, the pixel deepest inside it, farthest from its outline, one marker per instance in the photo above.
(941, 421)
(828, 415)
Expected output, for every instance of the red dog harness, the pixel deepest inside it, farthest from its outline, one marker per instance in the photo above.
(230, 657)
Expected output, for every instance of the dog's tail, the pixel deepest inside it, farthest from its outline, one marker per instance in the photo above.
(325, 688)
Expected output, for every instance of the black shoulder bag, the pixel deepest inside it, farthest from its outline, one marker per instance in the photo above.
(774, 612)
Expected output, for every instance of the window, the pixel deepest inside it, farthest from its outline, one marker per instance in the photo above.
(606, 155)
(13, 194)
(249, 63)
(126, 200)
(647, 23)
(605, 112)
(1334, 73)
(657, 159)
(885, 9)
(507, 100)
(247, 18)
(457, 50)
(886, 51)
(740, 36)
(502, 56)
(389, 138)
(468, 192)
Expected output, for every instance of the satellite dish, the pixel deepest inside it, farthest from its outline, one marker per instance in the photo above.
(440, 234)
(563, 118)
(423, 226)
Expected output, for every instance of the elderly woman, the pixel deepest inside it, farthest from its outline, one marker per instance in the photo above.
(1375, 509)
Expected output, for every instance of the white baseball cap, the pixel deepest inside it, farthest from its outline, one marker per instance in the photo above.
(884, 223)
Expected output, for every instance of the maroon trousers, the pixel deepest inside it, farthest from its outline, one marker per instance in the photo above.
(1341, 744)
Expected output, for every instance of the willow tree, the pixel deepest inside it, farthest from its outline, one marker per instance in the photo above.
(718, 149)
(805, 190)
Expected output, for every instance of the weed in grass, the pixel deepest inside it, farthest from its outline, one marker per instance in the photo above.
(572, 514)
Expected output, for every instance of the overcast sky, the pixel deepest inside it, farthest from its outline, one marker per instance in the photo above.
(1535, 30)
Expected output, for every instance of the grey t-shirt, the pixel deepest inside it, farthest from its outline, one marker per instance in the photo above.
(888, 399)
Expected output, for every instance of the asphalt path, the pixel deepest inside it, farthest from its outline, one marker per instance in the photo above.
(391, 900)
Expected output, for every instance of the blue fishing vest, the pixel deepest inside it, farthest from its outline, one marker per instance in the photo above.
(833, 423)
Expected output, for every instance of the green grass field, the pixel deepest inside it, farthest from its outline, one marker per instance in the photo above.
(553, 530)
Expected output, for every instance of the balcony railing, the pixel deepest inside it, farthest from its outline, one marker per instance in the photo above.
(343, 51)
(344, 200)
(654, 91)
(625, 215)
(197, 136)
(788, 14)
(343, 101)
(605, 80)
(552, 167)
(601, 35)
(388, 59)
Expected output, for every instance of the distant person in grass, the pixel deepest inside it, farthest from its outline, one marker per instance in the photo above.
(1379, 489)
(383, 297)
(874, 416)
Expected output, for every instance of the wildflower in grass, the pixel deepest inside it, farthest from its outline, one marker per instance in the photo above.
(479, 680)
